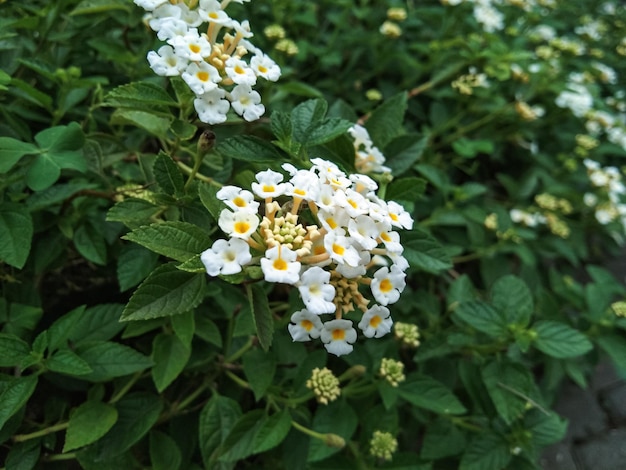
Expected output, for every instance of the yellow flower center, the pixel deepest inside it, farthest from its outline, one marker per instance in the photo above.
(194, 48)
(262, 69)
(213, 15)
(353, 203)
(318, 250)
(385, 236)
(393, 216)
(306, 324)
(385, 285)
(331, 223)
(203, 76)
(339, 335)
(338, 249)
(239, 69)
(280, 264)
(267, 188)
(375, 321)
(300, 192)
(241, 227)
(239, 202)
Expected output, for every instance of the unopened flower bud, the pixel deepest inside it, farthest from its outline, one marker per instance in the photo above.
(324, 384)
(383, 445)
(392, 371)
(333, 440)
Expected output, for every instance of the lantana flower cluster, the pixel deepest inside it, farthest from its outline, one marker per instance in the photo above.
(368, 158)
(207, 49)
(325, 233)
(607, 204)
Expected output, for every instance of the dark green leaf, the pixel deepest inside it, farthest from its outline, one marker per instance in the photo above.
(134, 212)
(261, 313)
(483, 317)
(133, 265)
(177, 240)
(385, 123)
(11, 150)
(184, 326)
(108, 360)
(509, 386)
(98, 323)
(327, 130)
(259, 367)
(208, 330)
(442, 439)
(511, 296)
(15, 395)
(24, 455)
(139, 95)
(88, 423)
(67, 362)
(305, 116)
(249, 148)
(16, 233)
(487, 451)
(424, 252)
(406, 189)
(12, 350)
(156, 125)
(164, 452)
(168, 175)
(87, 7)
(216, 421)
(432, 395)
(167, 291)
(404, 151)
(560, 340)
(170, 356)
(90, 243)
(208, 196)
(240, 441)
(273, 432)
(338, 418)
(615, 346)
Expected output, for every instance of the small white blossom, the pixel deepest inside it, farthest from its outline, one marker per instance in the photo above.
(226, 257)
(280, 265)
(376, 322)
(338, 336)
(304, 326)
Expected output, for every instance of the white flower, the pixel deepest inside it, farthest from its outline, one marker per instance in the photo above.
(191, 46)
(304, 326)
(341, 249)
(265, 67)
(280, 265)
(269, 184)
(352, 202)
(212, 12)
(239, 72)
(334, 219)
(201, 77)
(389, 238)
(337, 336)
(226, 256)
(212, 107)
(149, 5)
(166, 63)
(304, 184)
(399, 217)
(316, 292)
(361, 136)
(170, 27)
(490, 18)
(351, 272)
(376, 322)
(364, 231)
(238, 199)
(246, 102)
(239, 224)
(388, 284)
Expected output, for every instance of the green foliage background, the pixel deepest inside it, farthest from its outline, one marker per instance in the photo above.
(116, 349)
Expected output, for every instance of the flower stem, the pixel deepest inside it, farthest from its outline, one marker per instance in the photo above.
(41, 432)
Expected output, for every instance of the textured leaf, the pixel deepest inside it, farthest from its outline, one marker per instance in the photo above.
(156, 125)
(424, 252)
(168, 175)
(139, 95)
(483, 317)
(164, 452)
(15, 395)
(16, 233)
(177, 240)
(560, 340)
(134, 264)
(327, 130)
(273, 432)
(216, 421)
(12, 350)
(259, 368)
(406, 189)
(404, 151)
(306, 116)
(167, 291)
(385, 123)
(12, 150)
(68, 362)
(208, 196)
(249, 148)
(511, 296)
(90, 243)
(170, 356)
(134, 212)
(239, 443)
(108, 360)
(87, 7)
(507, 385)
(426, 392)
(98, 323)
(487, 451)
(88, 423)
(262, 314)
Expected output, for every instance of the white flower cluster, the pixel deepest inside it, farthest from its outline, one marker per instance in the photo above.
(368, 159)
(324, 232)
(609, 206)
(213, 68)
(577, 97)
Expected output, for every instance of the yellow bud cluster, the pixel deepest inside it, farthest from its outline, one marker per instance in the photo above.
(324, 384)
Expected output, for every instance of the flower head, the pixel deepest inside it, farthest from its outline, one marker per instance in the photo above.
(338, 336)
(280, 265)
(383, 445)
(376, 322)
(324, 384)
(304, 326)
(392, 371)
(226, 257)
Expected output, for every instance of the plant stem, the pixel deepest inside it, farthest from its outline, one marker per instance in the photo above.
(240, 352)
(238, 380)
(124, 390)
(41, 432)
(58, 457)
(193, 173)
(308, 431)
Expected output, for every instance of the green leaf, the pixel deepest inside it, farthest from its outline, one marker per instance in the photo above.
(140, 96)
(483, 317)
(167, 291)
(615, 346)
(338, 418)
(406, 189)
(507, 384)
(174, 239)
(428, 393)
(259, 368)
(487, 451)
(404, 151)
(164, 452)
(24, 455)
(168, 175)
(87, 7)
(67, 362)
(21, 319)
(137, 414)
(15, 395)
(216, 421)
(60, 139)
(385, 123)
(133, 265)
(280, 122)
(184, 327)
(262, 314)
(134, 212)
(88, 423)
(511, 296)
(108, 360)
(90, 243)
(170, 356)
(305, 117)
(12, 350)
(208, 330)
(545, 430)
(442, 439)
(425, 253)
(156, 125)
(249, 148)
(470, 148)
(327, 130)
(42, 173)
(239, 443)
(560, 340)
(12, 150)
(16, 234)
(273, 432)
(208, 196)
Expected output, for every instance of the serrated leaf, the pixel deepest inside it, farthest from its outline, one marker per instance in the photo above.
(305, 117)
(67, 362)
(133, 265)
(88, 423)
(168, 175)
(148, 121)
(90, 243)
(507, 385)
(170, 356)
(339, 418)
(164, 452)
(327, 130)
(385, 122)
(483, 317)
(79, 326)
(216, 421)
(239, 443)
(273, 432)
(280, 124)
(108, 360)
(174, 239)
(12, 150)
(487, 451)
(23, 455)
(15, 395)
(511, 296)
(560, 340)
(16, 234)
(249, 148)
(430, 394)
(262, 314)
(424, 252)
(404, 151)
(406, 189)
(12, 350)
(88, 7)
(208, 196)
(139, 95)
(134, 212)
(259, 368)
(166, 291)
